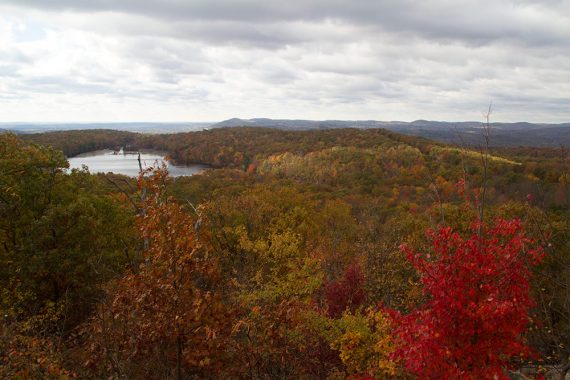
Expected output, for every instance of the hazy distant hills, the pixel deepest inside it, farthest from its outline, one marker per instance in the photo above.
(142, 127)
(304, 124)
(468, 133)
(501, 134)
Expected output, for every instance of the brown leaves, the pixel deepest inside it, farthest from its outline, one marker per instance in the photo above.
(166, 315)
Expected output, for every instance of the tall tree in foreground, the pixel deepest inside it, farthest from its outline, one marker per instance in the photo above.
(161, 320)
(478, 303)
(61, 236)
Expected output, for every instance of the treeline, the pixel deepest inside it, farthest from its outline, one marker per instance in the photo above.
(73, 143)
(219, 147)
(540, 171)
(304, 256)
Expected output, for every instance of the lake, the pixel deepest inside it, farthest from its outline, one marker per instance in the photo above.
(126, 163)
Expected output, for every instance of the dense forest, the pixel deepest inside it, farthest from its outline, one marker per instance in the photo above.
(329, 254)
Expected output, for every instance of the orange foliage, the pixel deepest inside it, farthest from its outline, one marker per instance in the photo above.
(163, 320)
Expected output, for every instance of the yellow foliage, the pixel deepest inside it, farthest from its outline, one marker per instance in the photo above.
(365, 344)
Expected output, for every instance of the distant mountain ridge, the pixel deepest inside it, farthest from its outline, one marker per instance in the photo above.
(299, 124)
(469, 133)
(466, 132)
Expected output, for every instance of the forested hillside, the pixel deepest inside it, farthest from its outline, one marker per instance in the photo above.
(326, 254)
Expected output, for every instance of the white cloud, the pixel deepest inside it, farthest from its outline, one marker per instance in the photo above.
(209, 60)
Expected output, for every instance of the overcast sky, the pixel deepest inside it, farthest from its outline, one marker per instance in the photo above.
(208, 60)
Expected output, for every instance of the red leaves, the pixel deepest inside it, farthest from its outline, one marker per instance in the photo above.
(346, 293)
(478, 302)
(251, 168)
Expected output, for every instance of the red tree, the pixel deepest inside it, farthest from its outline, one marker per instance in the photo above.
(478, 299)
(347, 293)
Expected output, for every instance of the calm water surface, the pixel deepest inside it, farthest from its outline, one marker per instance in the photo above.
(104, 161)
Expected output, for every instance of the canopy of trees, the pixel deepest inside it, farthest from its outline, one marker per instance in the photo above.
(315, 254)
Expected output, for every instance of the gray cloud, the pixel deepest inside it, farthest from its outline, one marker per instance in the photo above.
(475, 21)
(321, 59)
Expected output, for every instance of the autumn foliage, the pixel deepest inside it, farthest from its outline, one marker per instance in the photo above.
(284, 261)
(162, 319)
(346, 293)
(477, 308)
